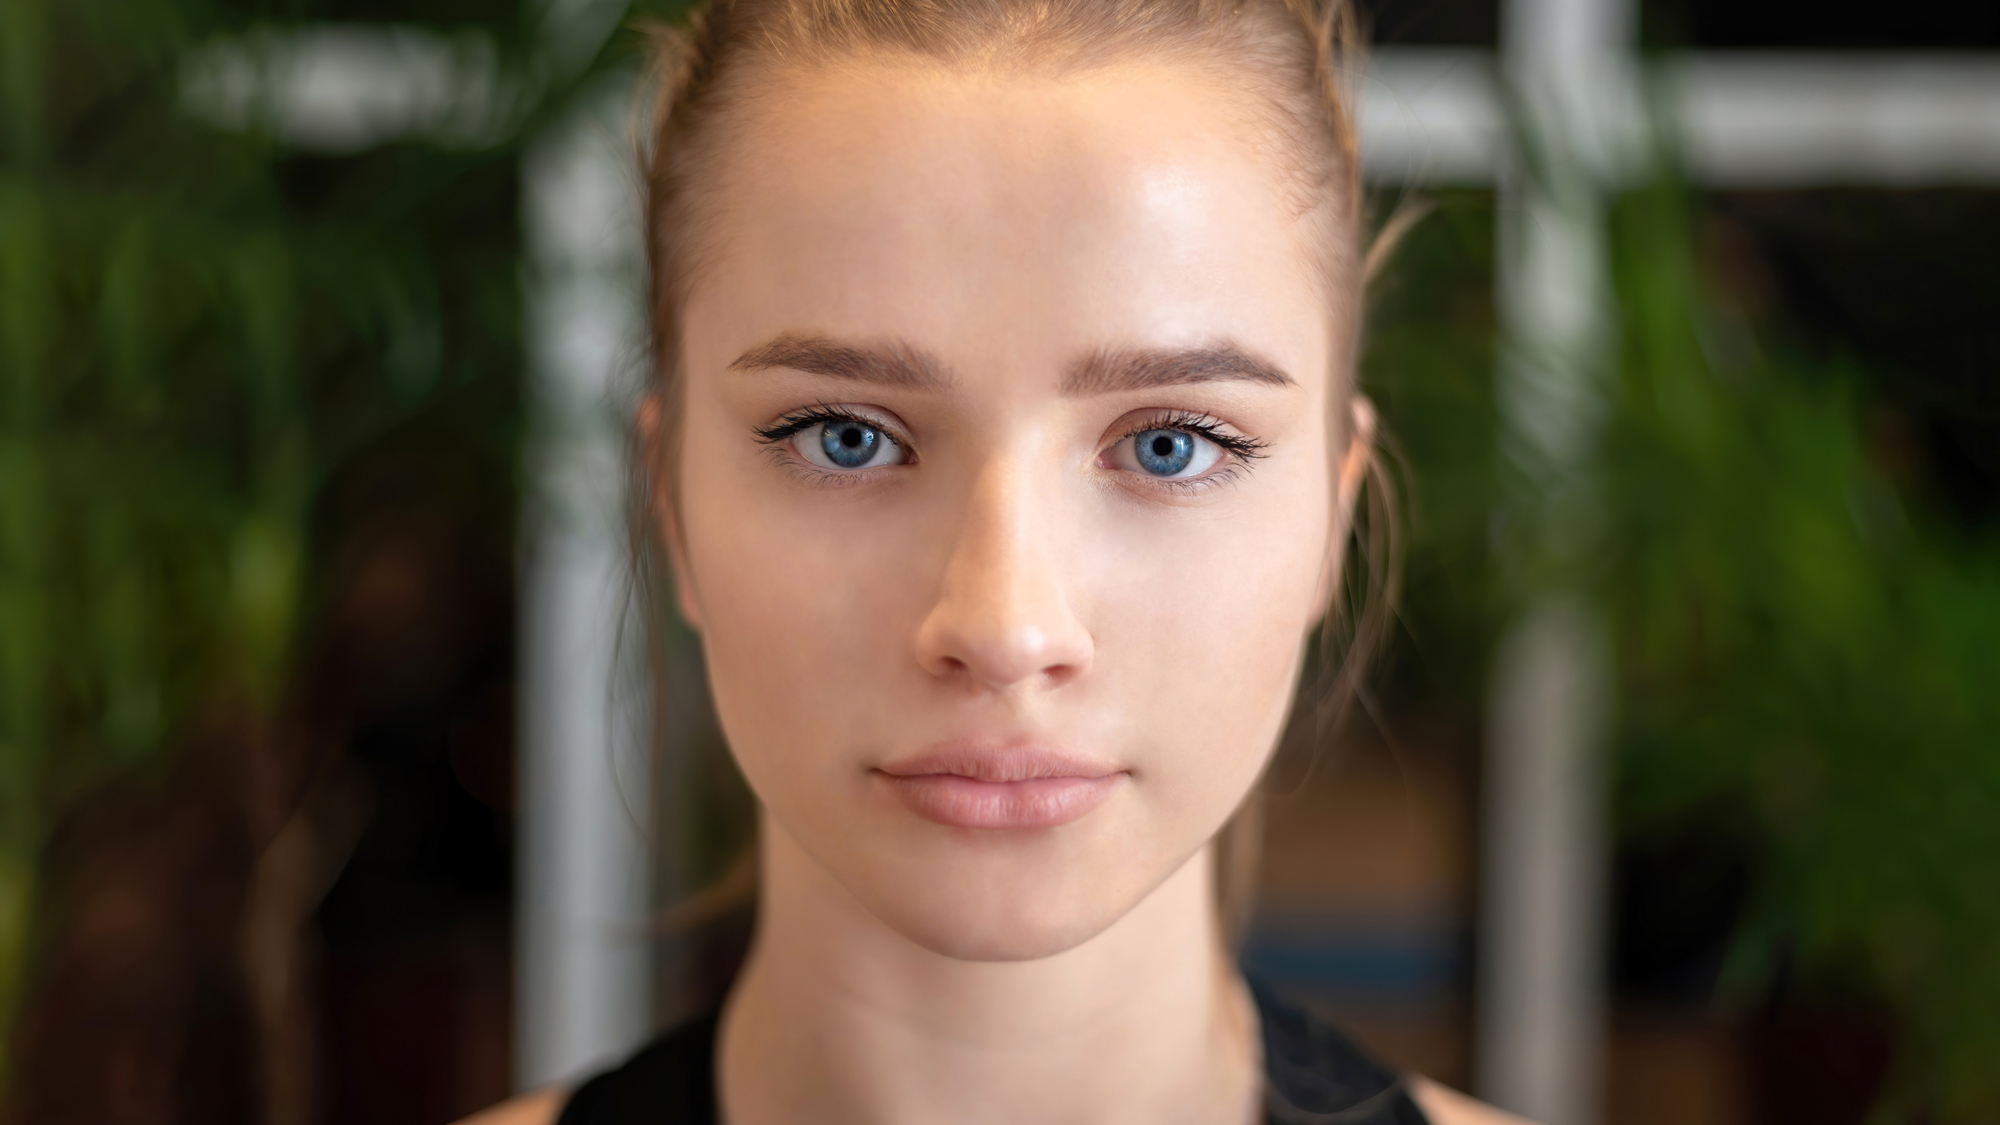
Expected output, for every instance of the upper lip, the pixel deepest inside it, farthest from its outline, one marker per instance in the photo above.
(1000, 763)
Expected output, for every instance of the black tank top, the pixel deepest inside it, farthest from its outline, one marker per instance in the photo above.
(1313, 1076)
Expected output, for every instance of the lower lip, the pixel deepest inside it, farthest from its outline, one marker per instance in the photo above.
(964, 802)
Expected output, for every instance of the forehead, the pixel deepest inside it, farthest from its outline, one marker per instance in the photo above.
(1008, 220)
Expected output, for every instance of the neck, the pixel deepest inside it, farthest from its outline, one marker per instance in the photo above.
(837, 1018)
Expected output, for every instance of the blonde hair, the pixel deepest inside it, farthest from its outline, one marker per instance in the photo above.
(1302, 56)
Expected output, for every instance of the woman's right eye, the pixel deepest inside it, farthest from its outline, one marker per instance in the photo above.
(847, 444)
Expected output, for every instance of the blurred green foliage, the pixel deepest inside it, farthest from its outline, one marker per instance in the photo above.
(1428, 365)
(198, 326)
(1808, 655)
(1798, 642)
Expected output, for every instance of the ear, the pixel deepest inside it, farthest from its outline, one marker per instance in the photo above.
(1358, 456)
(1355, 461)
(652, 443)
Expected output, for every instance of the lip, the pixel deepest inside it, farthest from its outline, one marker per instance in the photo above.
(1003, 787)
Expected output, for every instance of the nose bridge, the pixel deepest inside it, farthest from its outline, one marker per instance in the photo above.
(996, 537)
(1003, 612)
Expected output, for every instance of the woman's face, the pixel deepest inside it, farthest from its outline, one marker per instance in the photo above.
(1005, 484)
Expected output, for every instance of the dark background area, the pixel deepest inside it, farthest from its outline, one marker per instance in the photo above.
(1961, 25)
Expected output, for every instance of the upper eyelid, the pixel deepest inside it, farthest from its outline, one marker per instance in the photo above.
(806, 416)
(1171, 417)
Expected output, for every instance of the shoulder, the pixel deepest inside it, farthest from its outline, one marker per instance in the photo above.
(537, 1108)
(1446, 1106)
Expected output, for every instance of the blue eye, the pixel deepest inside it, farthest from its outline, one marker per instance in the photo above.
(846, 444)
(1164, 453)
(849, 444)
(1168, 452)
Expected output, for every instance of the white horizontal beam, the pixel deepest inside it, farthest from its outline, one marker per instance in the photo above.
(1431, 117)
(1745, 120)
(1777, 120)
(343, 88)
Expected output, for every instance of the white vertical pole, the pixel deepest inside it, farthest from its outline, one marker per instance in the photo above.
(1540, 985)
(582, 970)
(1540, 1050)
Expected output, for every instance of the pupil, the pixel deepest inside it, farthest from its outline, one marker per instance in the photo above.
(1164, 453)
(849, 445)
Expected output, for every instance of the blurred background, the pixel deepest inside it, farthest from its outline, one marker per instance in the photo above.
(331, 788)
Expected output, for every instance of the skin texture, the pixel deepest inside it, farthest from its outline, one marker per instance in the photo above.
(1017, 582)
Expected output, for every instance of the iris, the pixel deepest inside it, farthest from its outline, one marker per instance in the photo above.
(849, 444)
(1164, 453)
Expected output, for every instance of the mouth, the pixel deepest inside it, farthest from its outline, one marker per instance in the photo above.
(1002, 788)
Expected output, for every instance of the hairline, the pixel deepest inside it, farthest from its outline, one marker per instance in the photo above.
(764, 81)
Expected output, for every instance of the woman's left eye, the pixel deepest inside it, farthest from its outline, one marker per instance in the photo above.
(847, 444)
(1168, 453)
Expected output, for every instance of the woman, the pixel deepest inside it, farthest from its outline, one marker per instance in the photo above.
(1004, 440)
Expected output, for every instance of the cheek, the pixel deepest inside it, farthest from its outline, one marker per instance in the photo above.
(803, 606)
(1204, 628)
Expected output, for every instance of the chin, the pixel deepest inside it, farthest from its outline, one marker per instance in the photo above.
(1007, 938)
(983, 911)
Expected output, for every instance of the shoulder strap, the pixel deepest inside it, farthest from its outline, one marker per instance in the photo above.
(671, 1082)
(1314, 1075)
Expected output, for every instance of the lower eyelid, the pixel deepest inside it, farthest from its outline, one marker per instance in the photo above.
(1214, 478)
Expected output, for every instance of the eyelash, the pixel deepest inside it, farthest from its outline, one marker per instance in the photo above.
(1243, 446)
(799, 421)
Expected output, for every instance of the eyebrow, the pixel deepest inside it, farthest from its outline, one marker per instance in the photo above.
(896, 363)
(1105, 370)
(892, 363)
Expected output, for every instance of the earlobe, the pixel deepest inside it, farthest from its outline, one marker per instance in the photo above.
(651, 421)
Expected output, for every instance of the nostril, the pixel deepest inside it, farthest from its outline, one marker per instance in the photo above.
(1059, 674)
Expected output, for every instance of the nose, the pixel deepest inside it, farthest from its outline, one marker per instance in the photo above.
(1003, 619)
